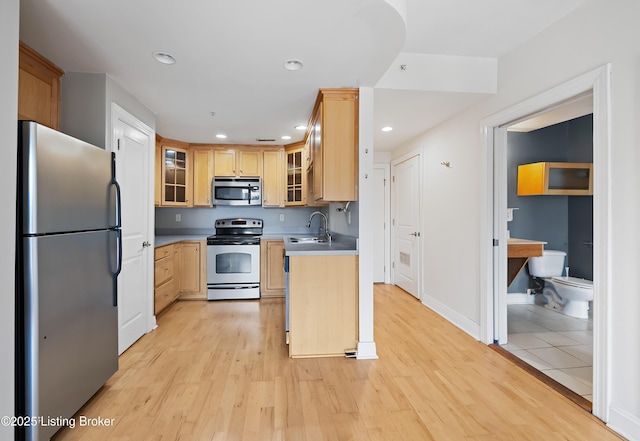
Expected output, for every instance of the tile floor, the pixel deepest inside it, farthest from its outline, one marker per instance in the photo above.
(557, 345)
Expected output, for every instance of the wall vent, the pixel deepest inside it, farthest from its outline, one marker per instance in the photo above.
(266, 139)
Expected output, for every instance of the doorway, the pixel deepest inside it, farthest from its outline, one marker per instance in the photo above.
(494, 290)
(556, 344)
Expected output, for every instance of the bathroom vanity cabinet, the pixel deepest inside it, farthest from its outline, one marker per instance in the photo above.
(555, 178)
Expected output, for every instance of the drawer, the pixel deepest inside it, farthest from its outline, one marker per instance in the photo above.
(163, 270)
(164, 295)
(163, 252)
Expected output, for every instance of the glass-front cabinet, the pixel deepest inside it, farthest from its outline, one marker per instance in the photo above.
(296, 171)
(555, 178)
(175, 176)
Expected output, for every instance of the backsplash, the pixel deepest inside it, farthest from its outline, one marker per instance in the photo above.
(202, 220)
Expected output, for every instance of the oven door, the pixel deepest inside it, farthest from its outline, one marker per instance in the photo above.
(233, 264)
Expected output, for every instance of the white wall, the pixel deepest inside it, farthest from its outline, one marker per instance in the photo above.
(9, 19)
(599, 32)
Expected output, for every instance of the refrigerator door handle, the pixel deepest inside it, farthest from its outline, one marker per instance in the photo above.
(118, 229)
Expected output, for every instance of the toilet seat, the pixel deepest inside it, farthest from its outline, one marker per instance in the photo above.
(573, 281)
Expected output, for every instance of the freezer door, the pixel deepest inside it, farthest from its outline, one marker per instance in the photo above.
(66, 183)
(71, 334)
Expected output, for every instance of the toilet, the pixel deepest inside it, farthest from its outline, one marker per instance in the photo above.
(568, 295)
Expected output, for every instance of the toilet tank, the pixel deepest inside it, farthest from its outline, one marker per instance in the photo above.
(550, 264)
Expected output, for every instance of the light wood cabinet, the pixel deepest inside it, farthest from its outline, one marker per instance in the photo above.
(333, 139)
(157, 196)
(272, 268)
(555, 178)
(202, 176)
(38, 88)
(323, 305)
(193, 270)
(273, 178)
(238, 162)
(166, 289)
(176, 175)
(296, 175)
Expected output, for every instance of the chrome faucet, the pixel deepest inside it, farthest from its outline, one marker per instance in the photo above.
(327, 235)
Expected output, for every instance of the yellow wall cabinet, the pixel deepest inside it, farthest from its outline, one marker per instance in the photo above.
(333, 137)
(555, 178)
(238, 162)
(273, 178)
(38, 88)
(272, 268)
(323, 305)
(202, 176)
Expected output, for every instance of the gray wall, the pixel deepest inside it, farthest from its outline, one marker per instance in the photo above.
(201, 220)
(561, 221)
(85, 106)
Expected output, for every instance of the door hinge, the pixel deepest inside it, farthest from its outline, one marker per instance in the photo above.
(118, 144)
(393, 179)
(393, 265)
(496, 242)
(393, 222)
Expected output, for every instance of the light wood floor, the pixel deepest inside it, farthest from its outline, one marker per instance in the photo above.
(220, 371)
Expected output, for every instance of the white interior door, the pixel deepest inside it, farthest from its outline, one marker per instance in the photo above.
(380, 246)
(407, 222)
(134, 153)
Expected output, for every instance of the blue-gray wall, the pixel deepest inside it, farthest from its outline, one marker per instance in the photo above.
(564, 222)
(201, 220)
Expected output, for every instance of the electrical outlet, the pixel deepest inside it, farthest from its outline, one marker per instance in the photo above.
(178, 217)
(281, 217)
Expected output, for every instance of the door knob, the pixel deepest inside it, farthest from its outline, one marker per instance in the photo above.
(145, 244)
(415, 233)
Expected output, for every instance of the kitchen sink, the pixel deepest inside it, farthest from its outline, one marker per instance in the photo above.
(307, 240)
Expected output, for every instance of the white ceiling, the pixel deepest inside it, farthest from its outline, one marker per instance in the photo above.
(230, 56)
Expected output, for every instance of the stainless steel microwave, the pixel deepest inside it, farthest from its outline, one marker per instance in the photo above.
(237, 191)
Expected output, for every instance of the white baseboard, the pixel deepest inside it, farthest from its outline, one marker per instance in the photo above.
(623, 423)
(366, 350)
(462, 322)
(520, 299)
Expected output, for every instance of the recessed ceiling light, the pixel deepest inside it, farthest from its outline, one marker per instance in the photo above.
(301, 127)
(387, 129)
(221, 136)
(164, 58)
(293, 65)
(286, 137)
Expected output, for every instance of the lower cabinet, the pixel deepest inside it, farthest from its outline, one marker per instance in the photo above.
(180, 272)
(272, 268)
(166, 288)
(323, 305)
(193, 270)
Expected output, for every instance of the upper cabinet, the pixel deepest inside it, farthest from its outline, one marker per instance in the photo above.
(176, 184)
(273, 178)
(238, 162)
(38, 88)
(202, 176)
(296, 174)
(333, 143)
(555, 178)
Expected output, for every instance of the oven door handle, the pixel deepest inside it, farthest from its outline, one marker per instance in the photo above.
(232, 287)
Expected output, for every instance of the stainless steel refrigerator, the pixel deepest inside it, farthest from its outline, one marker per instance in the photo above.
(68, 256)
